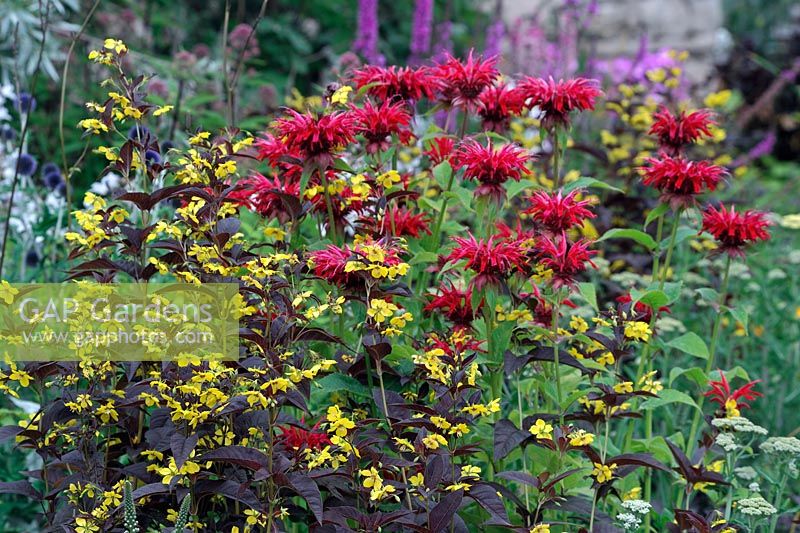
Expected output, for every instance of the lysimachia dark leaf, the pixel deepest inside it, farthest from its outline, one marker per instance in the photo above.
(23, 488)
(521, 477)
(238, 455)
(442, 514)
(507, 437)
(486, 496)
(305, 487)
(182, 447)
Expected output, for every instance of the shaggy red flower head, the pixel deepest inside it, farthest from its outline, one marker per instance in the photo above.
(491, 167)
(680, 180)
(270, 148)
(368, 259)
(300, 439)
(493, 260)
(566, 259)
(644, 311)
(316, 138)
(455, 304)
(732, 402)
(675, 132)
(498, 104)
(440, 149)
(557, 99)
(733, 231)
(264, 195)
(402, 83)
(558, 212)
(400, 222)
(378, 123)
(463, 82)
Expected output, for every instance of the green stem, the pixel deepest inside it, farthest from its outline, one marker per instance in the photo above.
(556, 358)
(712, 350)
(556, 160)
(329, 206)
(773, 522)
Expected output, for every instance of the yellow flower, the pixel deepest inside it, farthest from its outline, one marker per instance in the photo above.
(434, 441)
(638, 331)
(338, 423)
(603, 473)
(417, 480)
(7, 292)
(116, 45)
(624, 387)
(540, 528)
(541, 429)
(94, 125)
(387, 179)
(580, 437)
(578, 324)
(339, 97)
(162, 109)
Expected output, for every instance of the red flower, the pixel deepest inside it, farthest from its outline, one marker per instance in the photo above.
(440, 149)
(404, 83)
(674, 132)
(558, 212)
(679, 180)
(566, 259)
(316, 138)
(731, 402)
(492, 260)
(400, 221)
(264, 195)
(330, 263)
(455, 304)
(733, 230)
(463, 82)
(279, 156)
(378, 123)
(498, 104)
(558, 99)
(644, 310)
(300, 439)
(492, 168)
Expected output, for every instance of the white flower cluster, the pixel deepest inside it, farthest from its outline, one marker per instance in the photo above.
(781, 446)
(747, 473)
(755, 506)
(739, 424)
(727, 442)
(632, 519)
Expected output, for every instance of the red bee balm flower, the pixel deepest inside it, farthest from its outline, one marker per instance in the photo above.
(733, 230)
(378, 123)
(679, 180)
(674, 132)
(497, 105)
(263, 195)
(299, 438)
(492, 260)
(558, 99)
(399, 221)
(440, 149)
(455, 304)
(404, 83)
(490, 167)
(558, 212)
(566, 259)
(316, 137)
(731, 402)
(462, 83)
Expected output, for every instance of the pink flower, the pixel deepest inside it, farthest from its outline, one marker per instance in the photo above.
(462, 82)
(316, 138)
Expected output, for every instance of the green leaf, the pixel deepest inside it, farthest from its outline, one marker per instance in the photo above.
(589, 294)
(634, 234)
(516, 187)
(694, 374)
(423, 257)
(740, 315)
(655, 299)
(442, 172)
(464, 196)
(690, 343)
(340, 382)
(344, 166)
(584, 183)
(666, 397)
(708, 294)
(655, 213)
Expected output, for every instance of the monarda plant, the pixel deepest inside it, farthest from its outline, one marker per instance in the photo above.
(428, 341)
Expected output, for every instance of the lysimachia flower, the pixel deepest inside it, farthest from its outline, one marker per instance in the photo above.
(557, 99)
(366, 262)
(734, 231)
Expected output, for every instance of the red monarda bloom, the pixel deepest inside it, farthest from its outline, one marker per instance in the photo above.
(731, 402)
(498, 104)
(463, 82)
(440, 149)
(272, 149)
(402, 83)
(644, 311)
(675, 132)
(493, 260)
(558, 99)
(454, 304)
(378, 123)
(400, 222)
(330, 263)
(300, 439)
(264, 195)
(680, 180)
(733, 231)
(566, 259)
(558, 212)
(491, 167)
(316, 138)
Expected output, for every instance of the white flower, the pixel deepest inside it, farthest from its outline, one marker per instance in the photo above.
(637, 506)
(630, 522)
(746, 473)
(754, 487)
(781, 445)
(738, 423)
(755, 506)
(726, 442)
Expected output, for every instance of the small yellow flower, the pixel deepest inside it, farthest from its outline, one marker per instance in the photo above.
(116, 45)
(541, 429)
(639, 331)
(603, 473)
(7, 292)
(340, 96)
